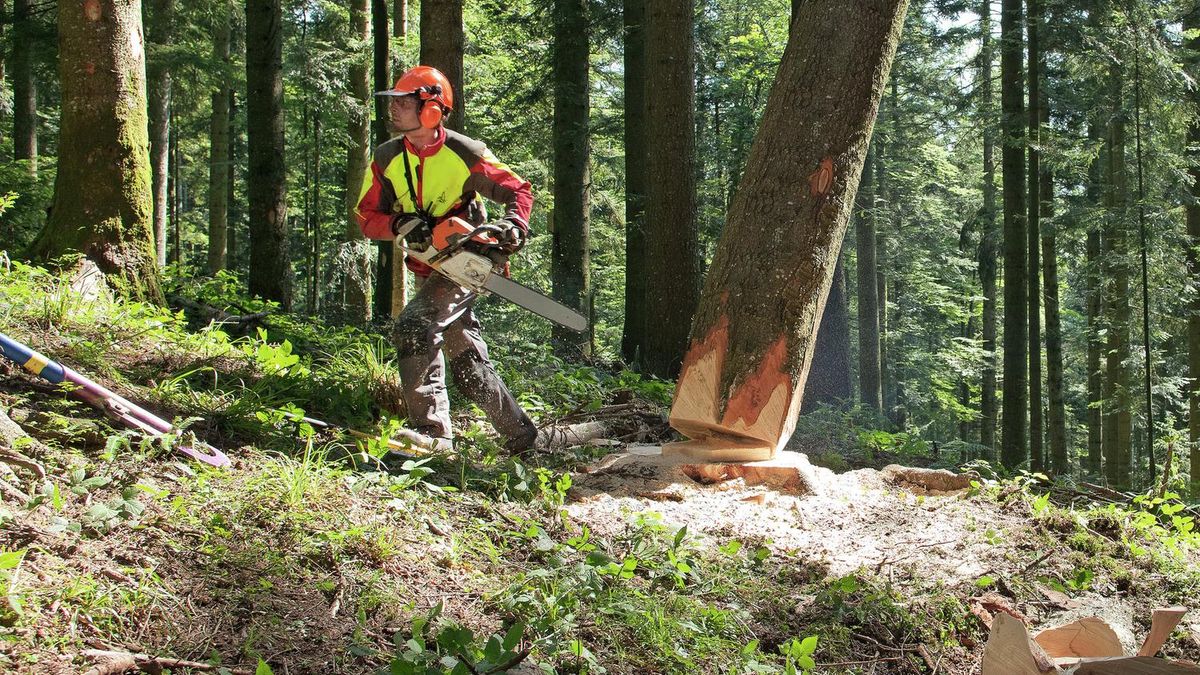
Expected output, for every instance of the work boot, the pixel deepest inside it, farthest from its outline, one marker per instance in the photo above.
(421, 441)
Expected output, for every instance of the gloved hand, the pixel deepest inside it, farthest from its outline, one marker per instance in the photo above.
(420, 235)
(512, 237)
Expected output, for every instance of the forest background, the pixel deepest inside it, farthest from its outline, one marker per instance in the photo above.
(1057, 185)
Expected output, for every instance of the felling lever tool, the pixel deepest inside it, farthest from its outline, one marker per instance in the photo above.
(472, 259)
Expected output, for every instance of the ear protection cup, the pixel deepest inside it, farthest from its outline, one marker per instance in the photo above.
(431, 109)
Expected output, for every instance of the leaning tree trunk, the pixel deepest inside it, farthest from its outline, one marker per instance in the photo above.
(270, 266)
(218, 165)
(24, 85)
(442, 43)
(102, 189)
(673, 281)
(752, 342)
(358, 127)
(633, 335)
(570, 239)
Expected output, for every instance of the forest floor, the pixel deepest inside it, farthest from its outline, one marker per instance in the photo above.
(308, 556)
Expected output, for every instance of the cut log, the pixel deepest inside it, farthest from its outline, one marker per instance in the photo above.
(1164, 621)
(789, 473)
(1085, 638)
(1134, 665)
(1010, 651)
(752, 340)
(935, 480)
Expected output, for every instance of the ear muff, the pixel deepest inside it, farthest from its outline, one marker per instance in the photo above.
(431, 107)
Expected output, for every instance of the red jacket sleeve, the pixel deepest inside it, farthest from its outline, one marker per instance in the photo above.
(374, 208)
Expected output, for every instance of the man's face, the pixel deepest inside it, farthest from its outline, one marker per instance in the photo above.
(403, 113)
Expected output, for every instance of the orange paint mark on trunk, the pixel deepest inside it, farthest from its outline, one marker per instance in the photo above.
(91, 10)
(755, 391)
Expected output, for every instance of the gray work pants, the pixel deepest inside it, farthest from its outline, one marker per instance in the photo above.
(439, 320)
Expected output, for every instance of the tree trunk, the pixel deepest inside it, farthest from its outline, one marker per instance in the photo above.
(314, 306)
(1191, 22)
(1014, 450)
(633, 336)
(829, 378)
(218, 166)
(1118, 416)
(102, 69)
(386, 251)
(988, 238)
(270, 266)
(673, 282)
(1095, 322)
(753, 339)
(442, 43)
(1037, 460)
(570, 272)
(400, 18)
(173, 189)
(870, 384)
(234, 210)
(160, 19)
(25, 120)
(1056, 420)
(357, 292)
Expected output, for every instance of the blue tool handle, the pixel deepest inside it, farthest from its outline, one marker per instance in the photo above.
(30, 360)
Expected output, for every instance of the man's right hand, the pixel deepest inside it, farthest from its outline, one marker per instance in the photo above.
(415, 230)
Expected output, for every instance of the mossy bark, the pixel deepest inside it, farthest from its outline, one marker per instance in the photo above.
(442, 42)
(102, 200)
(754, 334)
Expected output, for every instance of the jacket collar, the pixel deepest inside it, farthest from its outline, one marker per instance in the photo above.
(428, 151)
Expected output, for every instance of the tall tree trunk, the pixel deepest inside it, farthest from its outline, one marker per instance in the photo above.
(1095, 317)
(754, 335)
(1037, 459)
(1056, 420)
(175, 186)
(870, 384)
(234, 218)
(218, 166)
(886, 288)
(1191, 22)
(570, 268)
(25, 120)
(1014, 450)
(270, 265)
(673, 282)
(633, 335)
(988, 237)
(1118, 416)
(358, 268)
(400, 18)
(315, 261)
(388, 256)
(102, 69)
(160, 22)
(829, 378)
(442, 43)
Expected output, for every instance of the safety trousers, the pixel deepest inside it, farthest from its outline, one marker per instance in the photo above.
(438, 321)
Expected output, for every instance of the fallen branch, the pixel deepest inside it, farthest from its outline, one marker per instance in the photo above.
(23, 462)
(118, 662)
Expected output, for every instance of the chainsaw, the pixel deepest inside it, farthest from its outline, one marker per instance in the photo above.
(471, 258)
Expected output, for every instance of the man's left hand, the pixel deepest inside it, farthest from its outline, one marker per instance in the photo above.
(512, 237)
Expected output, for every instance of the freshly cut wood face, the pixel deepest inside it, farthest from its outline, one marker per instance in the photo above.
(752, 422)
(1090, 637)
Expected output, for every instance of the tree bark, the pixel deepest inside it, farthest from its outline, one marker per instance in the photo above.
(633, 335)
(672, 236)
(25, 120)
(1118, 417)
(1056, 419)
(442, 42)
(1014, 449)
(270, 265)
(753, 339)
(829, 378)
(102, 69)
(400, 18)
(870, 384)
(234, 209)
(1033, 234)
(218, 165)
(386, 251)
(1095, 317)
(570, 272)
(1191, 21)
(988, 237)
(357, 291)
(159, 32)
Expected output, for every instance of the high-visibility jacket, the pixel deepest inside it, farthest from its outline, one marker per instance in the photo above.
(449, 177)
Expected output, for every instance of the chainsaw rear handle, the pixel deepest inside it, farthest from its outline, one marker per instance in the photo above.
(463, 239)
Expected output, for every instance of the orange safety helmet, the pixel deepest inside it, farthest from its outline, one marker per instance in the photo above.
(430, 85)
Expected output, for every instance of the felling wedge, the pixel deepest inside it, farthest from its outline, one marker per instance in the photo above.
(1084, 647)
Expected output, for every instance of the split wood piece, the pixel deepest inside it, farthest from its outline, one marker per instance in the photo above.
(558, 437)
(1010, 651)
(789, 472)
(752, 341)
(113, 662)
(1163, 622)
(1086, 638)
(1133, 665)
(939, 480)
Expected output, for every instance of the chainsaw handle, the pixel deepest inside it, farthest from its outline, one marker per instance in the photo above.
(450, 250)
